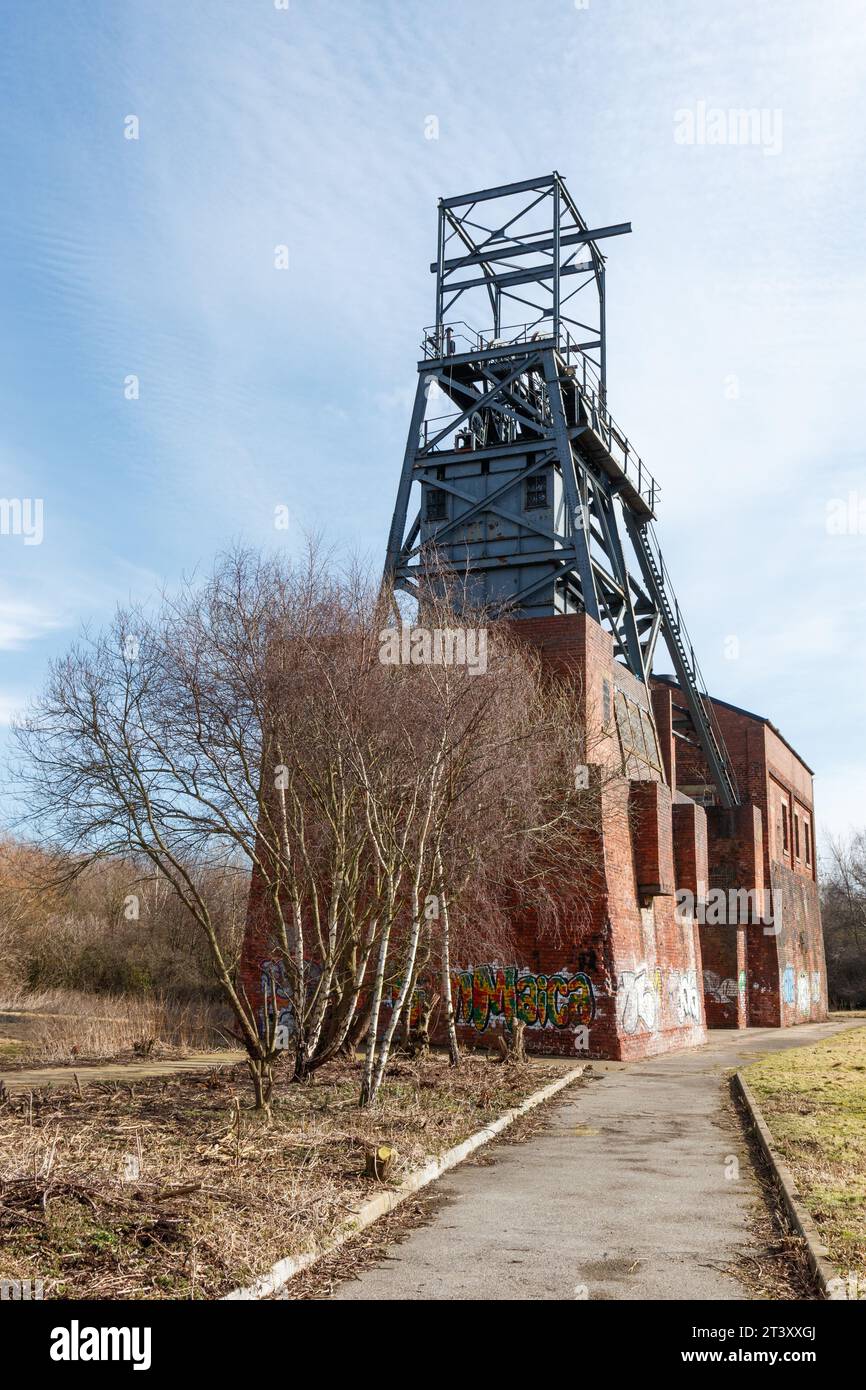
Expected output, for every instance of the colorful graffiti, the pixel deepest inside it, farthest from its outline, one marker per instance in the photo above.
(801, 990)
(506, 992)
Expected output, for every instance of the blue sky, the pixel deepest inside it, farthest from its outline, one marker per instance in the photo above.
(737, 343)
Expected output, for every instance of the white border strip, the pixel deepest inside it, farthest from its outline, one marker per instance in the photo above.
(385, 1202)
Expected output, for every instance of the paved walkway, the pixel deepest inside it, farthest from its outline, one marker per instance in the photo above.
(626, 1193)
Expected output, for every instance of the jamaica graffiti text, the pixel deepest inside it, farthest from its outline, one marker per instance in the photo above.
(490, 992)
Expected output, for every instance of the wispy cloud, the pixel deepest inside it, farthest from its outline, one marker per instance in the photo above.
(22, 622)
(737, 348)
(11, 705)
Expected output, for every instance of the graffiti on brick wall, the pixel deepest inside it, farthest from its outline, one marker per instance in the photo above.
(724, 990)
(274, 984)
(685, 997)
(276, 989)
(638, 1000)
(421, 996)
(495, 992)
(639, 995)
(801, 990)
(719, 990)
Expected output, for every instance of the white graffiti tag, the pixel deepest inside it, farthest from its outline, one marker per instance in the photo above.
(686, 1000)
(637, 1000)
(719, 990)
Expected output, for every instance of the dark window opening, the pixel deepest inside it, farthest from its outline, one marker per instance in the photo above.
(784, 828)
(436, 509)
(807, 837)
(796, 835)
(536, 492)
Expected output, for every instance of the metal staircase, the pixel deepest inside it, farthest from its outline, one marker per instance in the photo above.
(682, 654)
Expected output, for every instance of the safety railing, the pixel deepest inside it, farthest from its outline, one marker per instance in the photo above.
(457, 338)
(687, 650)
(451, 339)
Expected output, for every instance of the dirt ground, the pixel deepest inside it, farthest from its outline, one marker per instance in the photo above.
(174, 1187)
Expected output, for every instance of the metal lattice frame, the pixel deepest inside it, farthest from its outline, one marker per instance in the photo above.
(537, 392)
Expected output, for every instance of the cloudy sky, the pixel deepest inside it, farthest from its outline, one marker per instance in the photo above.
(737, 346)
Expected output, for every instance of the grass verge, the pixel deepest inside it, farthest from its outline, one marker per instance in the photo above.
(174, 1188)
(814, 1102)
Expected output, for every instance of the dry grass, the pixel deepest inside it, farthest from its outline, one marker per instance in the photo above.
(68, 1026)
(221, 1192)
(814, 1101)
(775, 1265)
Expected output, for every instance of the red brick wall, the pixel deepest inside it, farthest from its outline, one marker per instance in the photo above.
(633, 977)
(785, 968)
(652, 835)
(646, 984)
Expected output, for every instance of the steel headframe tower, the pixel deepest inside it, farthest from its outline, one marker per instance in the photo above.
(524, 475)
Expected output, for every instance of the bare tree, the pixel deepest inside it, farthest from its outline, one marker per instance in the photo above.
(147, 741)
(843, 911)
(392, 815)
(500, 816)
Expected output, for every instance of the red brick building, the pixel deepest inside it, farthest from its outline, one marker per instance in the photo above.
(775, 956)
(702, 917)
(705, 909)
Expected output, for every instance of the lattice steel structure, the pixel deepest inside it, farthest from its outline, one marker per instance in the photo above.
(529, 490)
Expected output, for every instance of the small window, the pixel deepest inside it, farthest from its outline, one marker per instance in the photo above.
(436, 509)
(796, 835)
(536, 492)
(605, 702)
(785, 841)
(807, 841)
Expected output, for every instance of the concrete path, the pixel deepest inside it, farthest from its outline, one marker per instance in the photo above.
(625, 1196)
(31, 1078)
